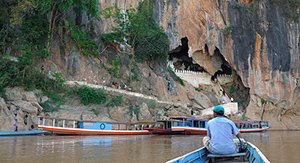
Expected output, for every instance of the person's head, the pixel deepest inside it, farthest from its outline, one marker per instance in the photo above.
(218, 110)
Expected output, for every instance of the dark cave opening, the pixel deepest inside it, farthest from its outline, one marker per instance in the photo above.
(235, 89)
(225, 68)
(214, 64)
(181, 59)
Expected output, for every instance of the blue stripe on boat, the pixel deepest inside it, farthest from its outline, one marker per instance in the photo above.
(199, 155)
(17, 133)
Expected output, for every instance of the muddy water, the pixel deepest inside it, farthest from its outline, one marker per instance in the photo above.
(278, 146)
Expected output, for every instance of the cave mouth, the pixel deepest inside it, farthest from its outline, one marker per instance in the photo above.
(221, 64)
(216, 65)
(181, 59)
(234, 89)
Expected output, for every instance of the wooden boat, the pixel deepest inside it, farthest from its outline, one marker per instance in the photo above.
(252, 126)
(201, 155)
(189, 126)
(22, 133)
(192, 126)
(179, 125)
(80, 127)
(162, 127)
(166, 127)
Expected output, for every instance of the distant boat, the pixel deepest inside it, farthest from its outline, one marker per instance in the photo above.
(192, 126)
(80, 127)
(189, 126)
(22, 133)
(162, 127)
(252, 126)
(179, 125)
(253, 154)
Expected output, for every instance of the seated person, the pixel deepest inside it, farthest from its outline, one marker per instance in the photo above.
(220, 132)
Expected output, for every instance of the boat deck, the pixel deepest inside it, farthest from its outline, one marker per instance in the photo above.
(237, 157)
(224, 160)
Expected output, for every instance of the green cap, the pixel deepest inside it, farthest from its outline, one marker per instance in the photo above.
(219, 109)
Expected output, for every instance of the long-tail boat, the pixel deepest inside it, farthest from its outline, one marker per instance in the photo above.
(179, 125)
(193, 126)
(65, 126)
(252, 154)
(22, 133)
(252, 126)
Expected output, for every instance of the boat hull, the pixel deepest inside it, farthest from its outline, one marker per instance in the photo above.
(203, 131)
(194, 131)
(189, 130)
(254, 130)
(191, 126)
(160, 131)
(200, 156)
(79, 131)
(22, 133)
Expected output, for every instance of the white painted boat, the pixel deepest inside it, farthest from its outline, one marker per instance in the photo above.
(65, 126)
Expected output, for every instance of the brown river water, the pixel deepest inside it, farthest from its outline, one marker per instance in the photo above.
(278, 147)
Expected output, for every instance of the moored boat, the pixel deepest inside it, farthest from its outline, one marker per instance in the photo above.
(189, 126)
(252, 126)
(79, 127)
(179, 125)
(193, 126)
(253, 154)
(162, 127)
(22, 133)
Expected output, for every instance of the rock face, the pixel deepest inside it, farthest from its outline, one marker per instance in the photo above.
(254, 37)
(6, 117)
(20, 108)
(19, 111)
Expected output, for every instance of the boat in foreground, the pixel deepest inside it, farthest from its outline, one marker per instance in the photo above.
(201, 155)
(22, 133)
(80, 127)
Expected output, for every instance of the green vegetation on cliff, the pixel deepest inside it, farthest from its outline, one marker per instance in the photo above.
(91, 96)
(27, 30)
(31, 29)
(138, 28)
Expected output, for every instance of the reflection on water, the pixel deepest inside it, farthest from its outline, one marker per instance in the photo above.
(278, 146)
(95, 148)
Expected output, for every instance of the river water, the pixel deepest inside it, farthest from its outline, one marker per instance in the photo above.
(278, 146)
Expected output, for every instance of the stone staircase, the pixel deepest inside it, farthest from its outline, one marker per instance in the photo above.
(124, 92)
(232, 107)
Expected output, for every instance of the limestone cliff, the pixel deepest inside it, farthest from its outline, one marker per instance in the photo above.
(253, 38)
(257, 41)
(260, 44)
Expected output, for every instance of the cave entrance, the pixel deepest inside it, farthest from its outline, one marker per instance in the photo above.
(220, 63)
(181, 59)
(234, 88)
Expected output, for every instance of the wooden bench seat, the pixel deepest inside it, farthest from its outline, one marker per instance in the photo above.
(214, 156)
